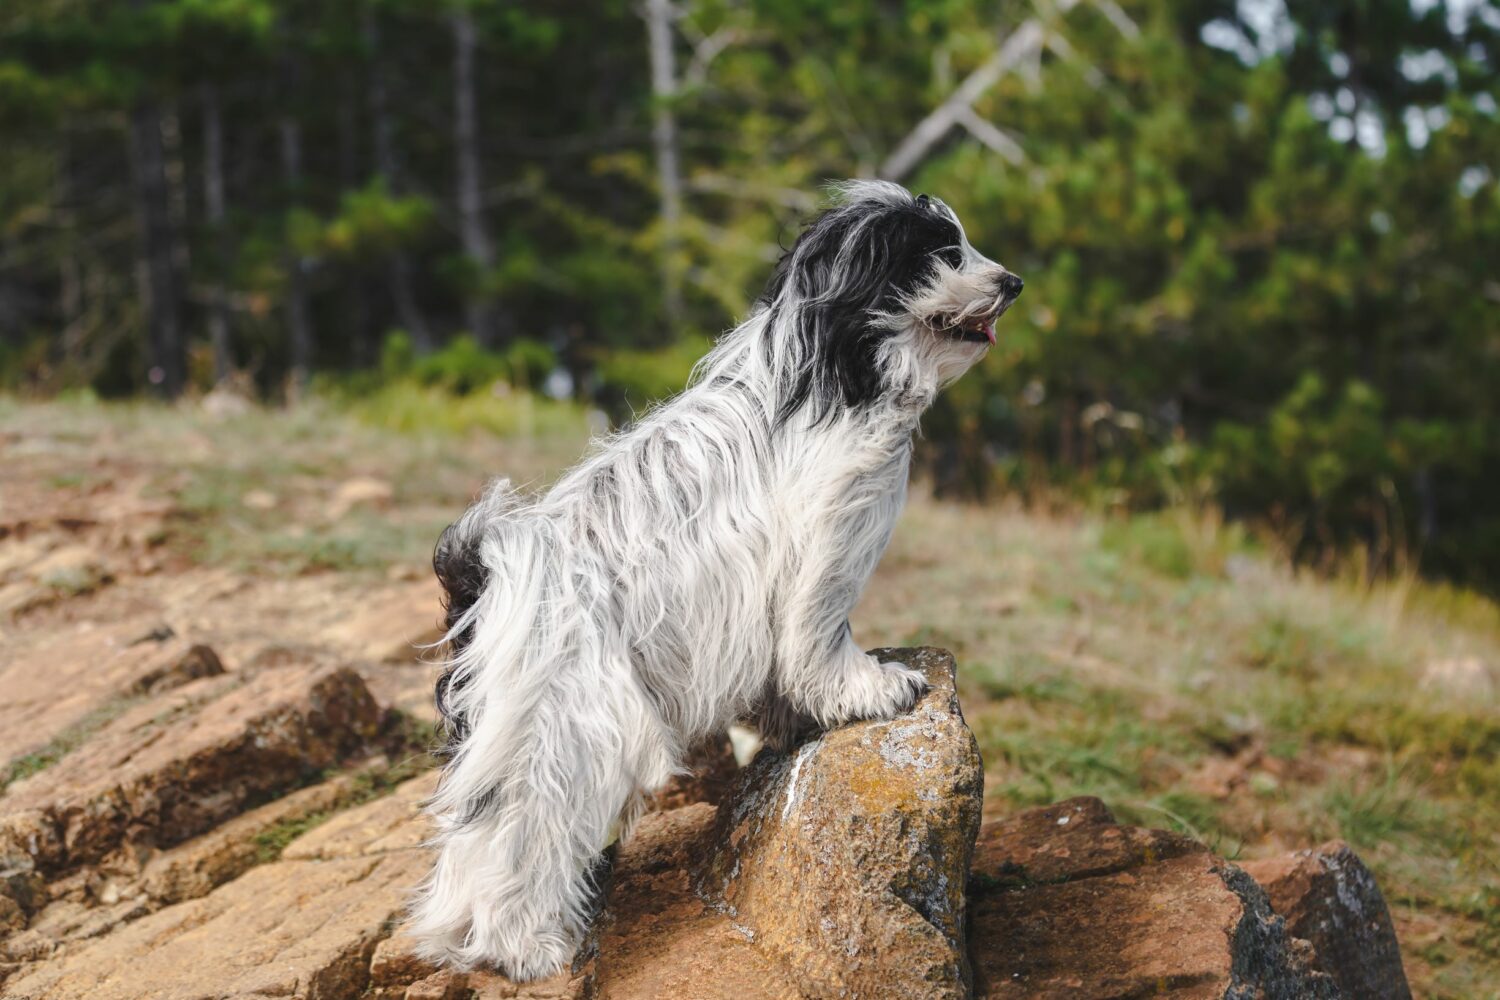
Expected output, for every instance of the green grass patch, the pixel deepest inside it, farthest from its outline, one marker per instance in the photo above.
(410, 741)
(63, 743)
(412, 409)
(270, 842)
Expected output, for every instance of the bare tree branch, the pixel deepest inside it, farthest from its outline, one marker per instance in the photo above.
(1117, 16)
(707, 49)
(930, 130)
(1057, 43)
(989, 134)
(1020, 52)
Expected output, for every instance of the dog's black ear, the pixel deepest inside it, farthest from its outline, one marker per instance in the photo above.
(854, 261)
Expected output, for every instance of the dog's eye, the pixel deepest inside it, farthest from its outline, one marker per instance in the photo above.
(923, 201)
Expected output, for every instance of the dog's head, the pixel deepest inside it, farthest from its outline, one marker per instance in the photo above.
(881, 294)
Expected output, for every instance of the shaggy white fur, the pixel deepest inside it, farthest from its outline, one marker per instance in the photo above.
(697, 569)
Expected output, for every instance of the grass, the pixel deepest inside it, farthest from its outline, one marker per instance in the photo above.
(1175, 666)
(63, 743)
(1180, 671)
(258, 492)
(409, 741)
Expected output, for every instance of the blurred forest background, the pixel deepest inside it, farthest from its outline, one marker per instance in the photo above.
(1259, 239)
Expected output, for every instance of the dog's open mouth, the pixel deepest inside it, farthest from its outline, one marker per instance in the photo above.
(979, 329)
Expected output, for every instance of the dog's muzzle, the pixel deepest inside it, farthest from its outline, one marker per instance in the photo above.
(981, 329)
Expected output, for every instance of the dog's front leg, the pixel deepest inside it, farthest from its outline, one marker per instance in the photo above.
(820, 669)
(851, 684)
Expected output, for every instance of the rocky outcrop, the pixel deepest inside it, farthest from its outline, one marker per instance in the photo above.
(171, 767)
(836, 870)
(1064, 902)
(1330, 899)
(846, 859)
(151, 865)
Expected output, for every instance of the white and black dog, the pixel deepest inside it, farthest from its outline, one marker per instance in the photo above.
(698, 569)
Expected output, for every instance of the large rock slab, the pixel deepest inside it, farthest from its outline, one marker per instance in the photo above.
(392, 823)
(1064, 902)
(174, 766)
(288, 929)
(61, 691)
(101, 900)
(845, 859)
(655, 940)
(1330, 898)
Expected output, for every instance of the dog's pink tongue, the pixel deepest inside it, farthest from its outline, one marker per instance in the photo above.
(989, 331)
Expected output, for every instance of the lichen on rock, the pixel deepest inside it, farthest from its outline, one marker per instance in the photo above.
(846, 857)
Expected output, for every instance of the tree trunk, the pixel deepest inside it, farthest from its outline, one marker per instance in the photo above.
(388, 166)
(476, 240)
(664, 138)
(360, 331)
(158, 272)
(298, 329)
(214, 211)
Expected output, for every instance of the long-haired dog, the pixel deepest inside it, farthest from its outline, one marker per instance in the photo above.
(697, 570)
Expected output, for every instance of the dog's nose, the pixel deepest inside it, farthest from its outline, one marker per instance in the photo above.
(1011, 285)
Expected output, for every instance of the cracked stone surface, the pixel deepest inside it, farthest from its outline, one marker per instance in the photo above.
(1330, 898)
(1064, 902)
(291, 929)
(846, 858)
(175, 766)
(178, 852)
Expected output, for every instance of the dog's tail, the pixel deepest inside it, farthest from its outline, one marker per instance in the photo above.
(458, 561)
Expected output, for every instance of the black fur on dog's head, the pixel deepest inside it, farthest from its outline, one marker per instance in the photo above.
(880, 262)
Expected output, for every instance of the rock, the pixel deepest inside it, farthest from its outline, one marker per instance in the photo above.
(91, 676)
(841, 869)
(177, 668)
(392, 823)
(231, 397)
(260, 500)
(1064, 902)
(176, 765)
(390, 626)
(71, 570)
(1329, 897)
(835, 871)
(200, 865)
(845, 860)
(292, 928)
(1466, 677)
(657, 939)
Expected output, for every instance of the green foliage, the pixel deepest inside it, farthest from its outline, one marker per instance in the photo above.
(633, 380)
(463, 367)
(372, 222)
(1258, 270)
(416, 409)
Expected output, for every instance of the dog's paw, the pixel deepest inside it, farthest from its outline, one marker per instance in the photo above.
(539, 958)
(883, 690)
(905, 687)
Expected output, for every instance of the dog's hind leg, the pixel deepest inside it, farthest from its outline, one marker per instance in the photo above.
(517, 876)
